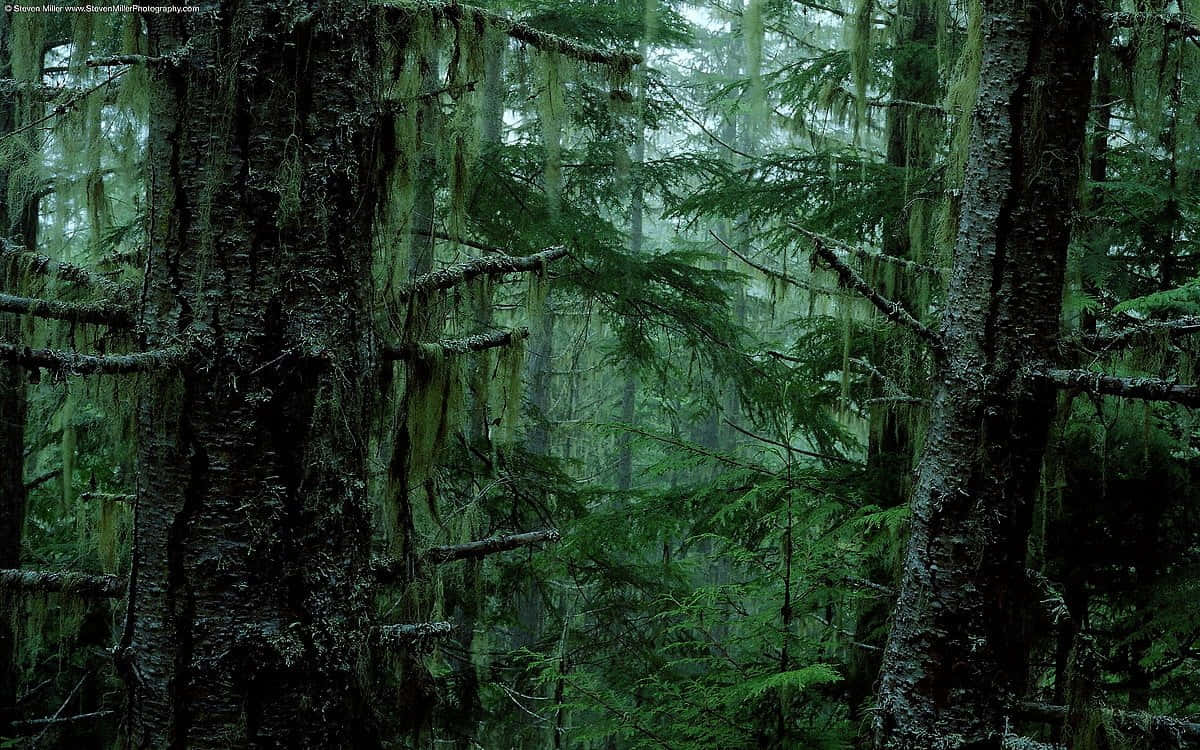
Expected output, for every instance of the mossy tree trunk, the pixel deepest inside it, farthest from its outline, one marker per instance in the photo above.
(956, 654)
(250, 612)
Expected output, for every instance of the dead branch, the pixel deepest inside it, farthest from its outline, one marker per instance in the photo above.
(1145, 389)
(80, 584)
(490, 546)
(74, 363)
(88, 312)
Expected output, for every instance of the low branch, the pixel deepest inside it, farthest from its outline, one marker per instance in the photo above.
(68, 272)
(451, 347)
(1168, 21)
(894, 311)
(88, 312)
(65, 106)
(546, 42)
(29, 726)
(490, 546)
(415, 634)
(497, 264)
(80, 584)
(74, 363)
(1160, 728)
(39, 481)
(1145, 389)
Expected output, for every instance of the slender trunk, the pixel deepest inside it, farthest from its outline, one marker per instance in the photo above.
(957, 649)
(250, 608)
(629, 387)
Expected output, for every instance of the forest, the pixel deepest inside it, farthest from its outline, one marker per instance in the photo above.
(600, 375)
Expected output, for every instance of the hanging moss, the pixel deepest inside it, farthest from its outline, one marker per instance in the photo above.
(752, 29)
(859, 40)
(510, 367)
(552, 117)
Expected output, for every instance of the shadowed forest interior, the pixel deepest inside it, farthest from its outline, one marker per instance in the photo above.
(600, 375)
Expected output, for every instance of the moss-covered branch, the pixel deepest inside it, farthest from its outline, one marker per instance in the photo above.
(85, 312)
(1169, 328)
(109, 497)
(496, 264)
(46, 266)
(74, 363)
(413, 634)
(522, 32)
(30, 726)
(872, 256)
(1145, 389)
(776, 274)
(451, 347)
(1160, 731)
(490, 546)
(894, 311)
(80, 584)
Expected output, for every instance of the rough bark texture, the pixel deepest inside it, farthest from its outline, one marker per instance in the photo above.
(250, 614)
(80, 584)
(956, 651)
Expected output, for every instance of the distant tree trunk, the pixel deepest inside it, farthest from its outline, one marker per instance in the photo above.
(19, 225)
(250, 613)
(956, 654)
(636, 237)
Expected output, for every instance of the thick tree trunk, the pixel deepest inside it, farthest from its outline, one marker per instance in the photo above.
(956, 652)
(250, 608)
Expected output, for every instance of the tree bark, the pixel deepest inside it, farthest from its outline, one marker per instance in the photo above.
(957, 648)
(250, 610)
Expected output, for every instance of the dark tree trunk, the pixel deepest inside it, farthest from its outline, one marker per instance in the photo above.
(956, 652)
(250, 611)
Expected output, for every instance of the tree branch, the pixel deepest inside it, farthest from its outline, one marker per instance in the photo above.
(1169, 21)
(490, 546)
(497, 264)
(870, 256)
(81, 584)
(1160, 728)
(118, 317)
(29, 726)
(69, 272)
(522, 32)
(110, 497)
(1171, 328)
(450, 347)
(894, 311)
(74, 363)
(772, 273)
(1146, 389)
(417, 634)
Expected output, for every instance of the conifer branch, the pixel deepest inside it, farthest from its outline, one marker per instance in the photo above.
(81, 584)
(47, 266)
(109, 497)
(871, 256)
(451, 347)
(463, 272)
(1168, 21)
(469, 243)
(39, 481)
(1171, 328)
(413, 634)
(779, 275)
(74, 363)
(1145, 389)
(118, 317)
(522, 32)
(64, 107)
(894, 311)
(490, 546)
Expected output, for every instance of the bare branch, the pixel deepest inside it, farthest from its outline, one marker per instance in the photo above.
(81, 584)
(1170, 328)
(1145, 389)
(74, 363)
(490, 546)
(450, 347)
(107, 497)
(461, 241)
(894, 311)
(29, 726)
(63, 107)
(789, 448)
(497, 264)
(457, 14)
(100, 314)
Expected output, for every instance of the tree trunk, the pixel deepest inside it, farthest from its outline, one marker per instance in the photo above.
(956, 652)
(250, 610)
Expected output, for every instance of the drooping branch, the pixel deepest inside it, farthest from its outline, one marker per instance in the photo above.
(65, 106)
(1145, 389)
(100, 314)
(74, 363)
(490, 546)
(80, 584)
(871, 256)
(894, 311)
(469, 243)
(39, 481)
(1162, 729)
(29, 726)
(776, 274)
(496, 264)
(451, 347)
(522, 32)
(68, 272)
